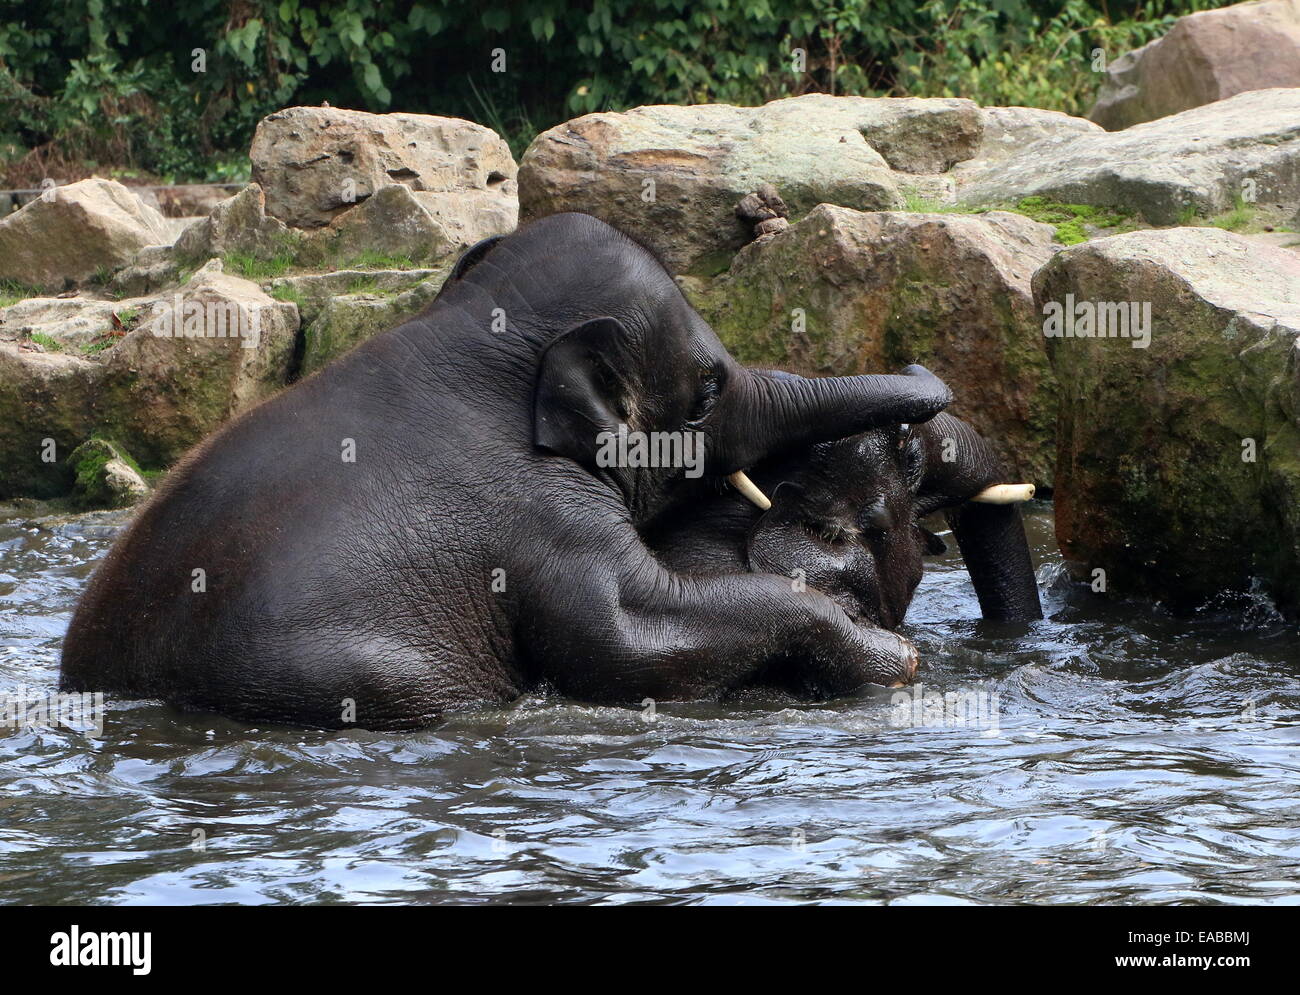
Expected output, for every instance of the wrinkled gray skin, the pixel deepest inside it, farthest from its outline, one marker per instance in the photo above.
(845, 520)
(474, 550)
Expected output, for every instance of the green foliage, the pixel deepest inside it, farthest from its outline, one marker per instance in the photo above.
(257, 268)
(265, 265)
(48, 341)
(1240, 218)
(288, 292)
(176, 89)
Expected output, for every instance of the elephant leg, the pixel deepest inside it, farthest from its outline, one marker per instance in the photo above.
(629, 629)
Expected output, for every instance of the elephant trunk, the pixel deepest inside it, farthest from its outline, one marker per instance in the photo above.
(964, 475)
(775, 413)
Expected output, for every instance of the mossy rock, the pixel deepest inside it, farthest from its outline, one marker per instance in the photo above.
(1178, 469)
(350, 319)
(105, 476)
(845, 292)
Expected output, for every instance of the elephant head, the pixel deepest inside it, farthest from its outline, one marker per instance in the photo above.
(636, 360)
(844, 518)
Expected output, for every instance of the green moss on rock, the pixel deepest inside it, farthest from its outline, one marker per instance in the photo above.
(105, 476)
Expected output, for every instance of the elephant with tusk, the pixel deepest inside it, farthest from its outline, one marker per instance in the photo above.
(844, 517)
(426, 524)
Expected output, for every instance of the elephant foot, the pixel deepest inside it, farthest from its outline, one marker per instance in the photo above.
(911, 660)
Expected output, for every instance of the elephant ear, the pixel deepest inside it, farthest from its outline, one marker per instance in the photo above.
(580, 389)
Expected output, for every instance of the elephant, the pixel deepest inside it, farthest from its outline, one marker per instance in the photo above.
(428, 524)
(844, 517)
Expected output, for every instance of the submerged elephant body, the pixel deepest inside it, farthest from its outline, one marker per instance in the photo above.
(422, 525)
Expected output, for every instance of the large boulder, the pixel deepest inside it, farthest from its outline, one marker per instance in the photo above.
(1205, 57)
(845, 292)
(316, 163)
(673, 174)
(1178, 469)
(187, 363)
(398, 223)
(1202, 160)
(72, 233)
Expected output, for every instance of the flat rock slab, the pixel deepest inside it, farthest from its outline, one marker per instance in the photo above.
(312, 291)
(1203, 160)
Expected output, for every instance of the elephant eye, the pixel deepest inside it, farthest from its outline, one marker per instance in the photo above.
(709, 390)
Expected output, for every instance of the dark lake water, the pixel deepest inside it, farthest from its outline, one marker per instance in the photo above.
(1123, 757)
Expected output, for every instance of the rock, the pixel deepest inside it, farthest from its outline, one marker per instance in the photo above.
(45, 401)
(673, 174)
(155, 267)
(157, 394)
(1009, 130)
(76, 232)
(316, 163)
(765, 210)
(347, 321)
(238, 224)
(1202, 160)
(192, 200)
(105, 476)
(845, 292)
(1178, 469)
(73, 322)
(396, 223)
(1205, 57)
(311, 292)
(914, 134)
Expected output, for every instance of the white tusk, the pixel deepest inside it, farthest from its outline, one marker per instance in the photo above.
(1004, 493)
(750, 489)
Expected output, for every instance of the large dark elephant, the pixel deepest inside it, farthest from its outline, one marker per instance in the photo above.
(424, 524)
(844, 517)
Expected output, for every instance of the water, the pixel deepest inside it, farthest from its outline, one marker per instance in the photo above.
(1137, 758)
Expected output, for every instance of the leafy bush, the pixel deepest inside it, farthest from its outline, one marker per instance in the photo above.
(175, 90)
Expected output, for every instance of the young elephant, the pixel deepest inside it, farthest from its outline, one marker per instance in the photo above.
(428, 523)
(844, 519)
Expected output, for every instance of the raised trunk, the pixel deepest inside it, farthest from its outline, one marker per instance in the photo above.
(773, 413)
